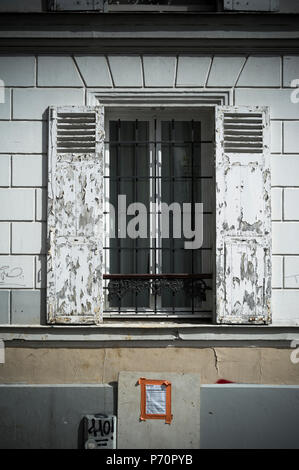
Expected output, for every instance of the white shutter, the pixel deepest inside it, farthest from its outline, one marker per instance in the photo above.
(243, 215)
(75, 215)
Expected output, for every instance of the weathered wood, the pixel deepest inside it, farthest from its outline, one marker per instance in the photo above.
(243, 215)
(75, 215)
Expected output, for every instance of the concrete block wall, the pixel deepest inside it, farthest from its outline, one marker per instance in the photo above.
(33, 83)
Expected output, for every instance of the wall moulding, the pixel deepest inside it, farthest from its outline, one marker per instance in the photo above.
(158, 97)
(152, 334)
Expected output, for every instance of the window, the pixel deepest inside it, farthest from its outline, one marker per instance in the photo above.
(159, 157)
(150, 157)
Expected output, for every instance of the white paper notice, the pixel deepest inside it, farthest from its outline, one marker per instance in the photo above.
(155, 399)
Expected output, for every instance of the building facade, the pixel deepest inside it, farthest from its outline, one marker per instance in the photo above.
(161, 80)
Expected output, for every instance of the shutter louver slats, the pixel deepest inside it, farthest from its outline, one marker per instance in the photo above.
(76, 132)
(75, 215)
(243, 215)
(243, 133)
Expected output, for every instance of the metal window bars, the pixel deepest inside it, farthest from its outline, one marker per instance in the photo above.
(154, 282)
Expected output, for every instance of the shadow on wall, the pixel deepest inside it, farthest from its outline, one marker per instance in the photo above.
(41, 273)
(50, 416)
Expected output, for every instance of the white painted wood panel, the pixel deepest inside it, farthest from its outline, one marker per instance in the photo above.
(243, 215)
(75, 215)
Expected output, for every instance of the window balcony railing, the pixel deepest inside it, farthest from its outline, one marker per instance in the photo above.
(194, 284)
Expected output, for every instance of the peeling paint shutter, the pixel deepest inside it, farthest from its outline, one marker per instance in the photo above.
(243, 215)
(75, 215)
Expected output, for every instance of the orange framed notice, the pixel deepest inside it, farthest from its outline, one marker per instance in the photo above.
(155, 402)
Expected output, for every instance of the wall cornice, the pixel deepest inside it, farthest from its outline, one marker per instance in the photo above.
(149, 33)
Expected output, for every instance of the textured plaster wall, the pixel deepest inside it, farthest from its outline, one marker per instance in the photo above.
(102, 365)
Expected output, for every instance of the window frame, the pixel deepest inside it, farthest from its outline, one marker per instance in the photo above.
(220, 110)
(159, 113)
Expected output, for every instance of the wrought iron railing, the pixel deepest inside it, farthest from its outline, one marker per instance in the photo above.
(194, 284)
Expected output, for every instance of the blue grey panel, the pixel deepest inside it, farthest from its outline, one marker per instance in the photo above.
(4, 307)
(27, 307)
(49, 416)
(249, 416)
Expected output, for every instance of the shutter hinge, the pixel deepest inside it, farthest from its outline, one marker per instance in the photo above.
(53, 113)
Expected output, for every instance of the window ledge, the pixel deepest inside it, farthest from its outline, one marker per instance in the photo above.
(141, 334)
